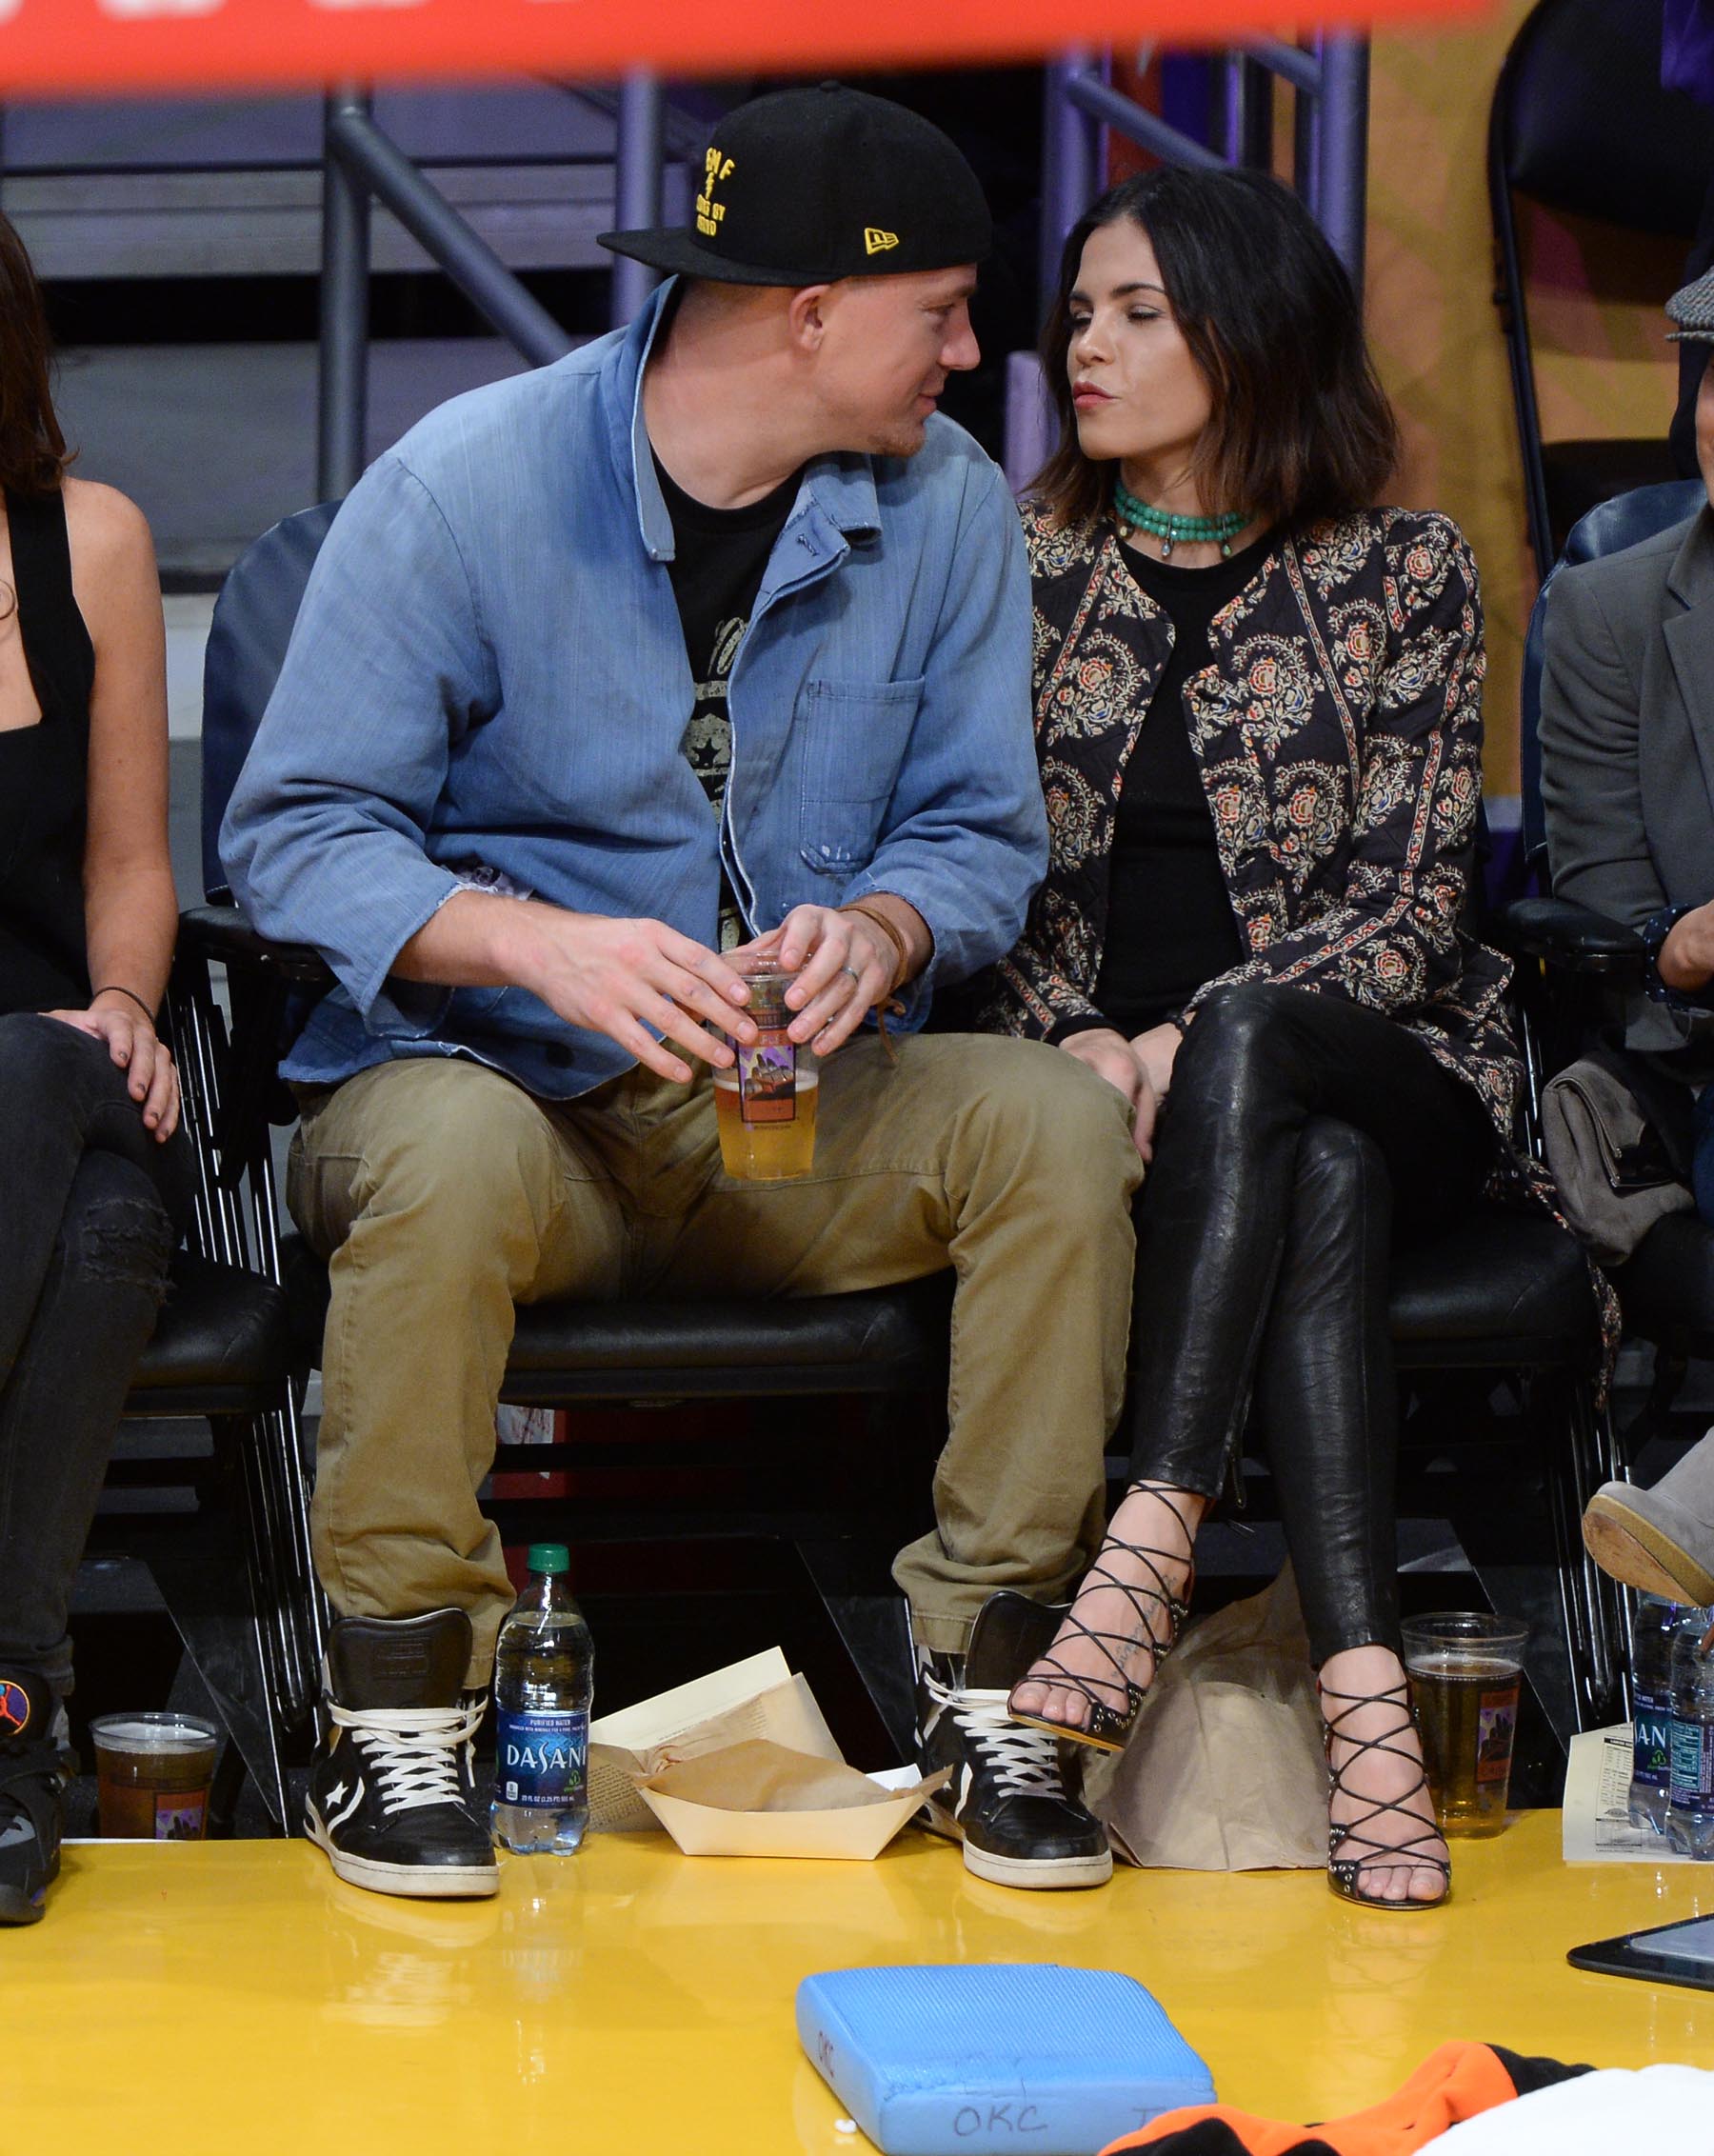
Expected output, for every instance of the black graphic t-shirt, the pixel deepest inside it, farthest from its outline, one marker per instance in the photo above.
(718, 561)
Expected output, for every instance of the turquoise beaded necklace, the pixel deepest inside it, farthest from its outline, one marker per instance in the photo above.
(1169, 528)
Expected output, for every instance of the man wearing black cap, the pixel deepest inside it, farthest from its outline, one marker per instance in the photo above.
(712, 635)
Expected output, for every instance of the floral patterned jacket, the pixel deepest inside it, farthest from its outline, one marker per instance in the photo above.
(1339, 733)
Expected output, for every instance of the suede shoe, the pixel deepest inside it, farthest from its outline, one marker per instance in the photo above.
(1660, 1540)
(392, 1798)
(1008, 1800)
(33, 1780)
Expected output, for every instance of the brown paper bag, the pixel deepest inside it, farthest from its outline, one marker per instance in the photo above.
(1225, 1770)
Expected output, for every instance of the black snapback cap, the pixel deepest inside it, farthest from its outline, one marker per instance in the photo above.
(802, 186)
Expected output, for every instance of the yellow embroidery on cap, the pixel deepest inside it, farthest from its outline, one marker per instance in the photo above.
(711, 214)
(876, 242)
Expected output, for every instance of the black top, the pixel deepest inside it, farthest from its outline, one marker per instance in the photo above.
(719, 557)
(1171, 924)
(44, 774)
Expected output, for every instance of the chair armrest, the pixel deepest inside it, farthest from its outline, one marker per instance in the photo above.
(1576, 938)
(221, 935)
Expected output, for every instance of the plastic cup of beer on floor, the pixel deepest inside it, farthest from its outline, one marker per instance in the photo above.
(764, 1104)
(1464, 1671)
(152, 1774)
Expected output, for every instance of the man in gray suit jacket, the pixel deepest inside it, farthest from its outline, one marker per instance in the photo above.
(1627, 782)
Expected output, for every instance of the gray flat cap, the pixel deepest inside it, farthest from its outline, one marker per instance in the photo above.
(1692, 309)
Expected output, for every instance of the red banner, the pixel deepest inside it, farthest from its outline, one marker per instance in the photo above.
(60, 46)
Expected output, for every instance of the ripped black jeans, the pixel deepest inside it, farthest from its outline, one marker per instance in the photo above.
(1306, 1137)
(90, 1210)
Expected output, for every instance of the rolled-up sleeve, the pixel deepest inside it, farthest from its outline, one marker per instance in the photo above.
(966, 837)
(325, 835)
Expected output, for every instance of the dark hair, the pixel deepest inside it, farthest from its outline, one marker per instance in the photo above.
(32, 449)
(1301, 425)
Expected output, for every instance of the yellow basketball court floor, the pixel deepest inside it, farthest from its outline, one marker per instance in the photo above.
(234, 1997)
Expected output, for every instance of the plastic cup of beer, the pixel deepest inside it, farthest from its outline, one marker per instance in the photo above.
(764, 1104)
(152, 1774)
(1464, 1671)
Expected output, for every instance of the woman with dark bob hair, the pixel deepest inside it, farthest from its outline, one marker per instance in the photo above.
(1259, 718)
(94, 1174)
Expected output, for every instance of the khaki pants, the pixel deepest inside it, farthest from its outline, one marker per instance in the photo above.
(443, 1194)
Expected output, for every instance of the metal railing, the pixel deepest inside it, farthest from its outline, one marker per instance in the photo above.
(360, 164)
(1330, 78)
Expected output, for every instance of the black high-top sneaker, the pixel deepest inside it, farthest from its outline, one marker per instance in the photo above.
(1006, 1801)
(31, 1779)
(391, 1794)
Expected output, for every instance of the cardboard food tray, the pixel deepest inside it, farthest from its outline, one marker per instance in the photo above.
(760, 1798)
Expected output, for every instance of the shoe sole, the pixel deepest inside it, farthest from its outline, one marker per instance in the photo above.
(1406, 1902)
(414, 1882)
(17, 1907)
(1633, 1552)
(1036, 1874)
(1073, 1736)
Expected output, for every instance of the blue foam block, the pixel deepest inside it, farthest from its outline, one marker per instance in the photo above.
(986, 2056)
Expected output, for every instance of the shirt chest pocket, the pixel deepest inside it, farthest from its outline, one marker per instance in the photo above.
(855, 736)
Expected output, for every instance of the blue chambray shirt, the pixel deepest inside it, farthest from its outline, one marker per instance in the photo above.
(487, 681)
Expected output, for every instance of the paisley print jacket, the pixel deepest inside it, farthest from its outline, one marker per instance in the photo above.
(1337, 729)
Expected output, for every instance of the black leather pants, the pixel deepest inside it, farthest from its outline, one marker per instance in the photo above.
(1304, 1135)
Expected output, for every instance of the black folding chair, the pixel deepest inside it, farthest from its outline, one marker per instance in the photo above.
(232, 1571)
(1581, 123)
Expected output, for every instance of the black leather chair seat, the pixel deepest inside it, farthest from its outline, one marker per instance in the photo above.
(222, 1345)
(1501, 1287)
(1667, 1289)
(878, 1340)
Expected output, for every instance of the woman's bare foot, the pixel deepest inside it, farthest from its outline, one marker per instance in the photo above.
(1121, 1622)
(1380, 1793)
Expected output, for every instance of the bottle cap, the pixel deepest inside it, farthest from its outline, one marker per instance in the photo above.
(548, 1557)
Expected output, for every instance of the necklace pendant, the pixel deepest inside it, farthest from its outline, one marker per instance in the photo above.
(1225, 549)
(1166, 549)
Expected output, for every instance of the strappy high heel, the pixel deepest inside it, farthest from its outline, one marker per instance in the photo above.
(1413, 1854)
(1108, 1727)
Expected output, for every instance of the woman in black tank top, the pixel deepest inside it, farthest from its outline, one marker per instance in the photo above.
(94, 1173)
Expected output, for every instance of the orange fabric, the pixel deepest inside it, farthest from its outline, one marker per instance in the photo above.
(110, 45)
(1455, 2083)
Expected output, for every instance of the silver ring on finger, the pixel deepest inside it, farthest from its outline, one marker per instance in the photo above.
(854, 972)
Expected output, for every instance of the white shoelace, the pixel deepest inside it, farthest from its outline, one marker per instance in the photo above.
(1025, 1761)
(411, 1752)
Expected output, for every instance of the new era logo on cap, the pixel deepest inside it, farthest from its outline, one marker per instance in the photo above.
(876, 242)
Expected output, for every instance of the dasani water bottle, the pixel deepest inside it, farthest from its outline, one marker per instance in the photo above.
(544, 1682)
(1651, 1709)
(1690, 1812)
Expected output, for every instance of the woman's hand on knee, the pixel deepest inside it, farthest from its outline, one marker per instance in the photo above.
(1112, 1057)
(1156, 1051)
(133, 1044)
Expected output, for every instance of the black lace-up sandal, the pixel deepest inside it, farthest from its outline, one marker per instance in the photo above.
(1109, 1726)
(1413, 1854)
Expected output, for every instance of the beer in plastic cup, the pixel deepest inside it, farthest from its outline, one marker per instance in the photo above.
(1465, 1673)
(764, 1104)
(153, 1774)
